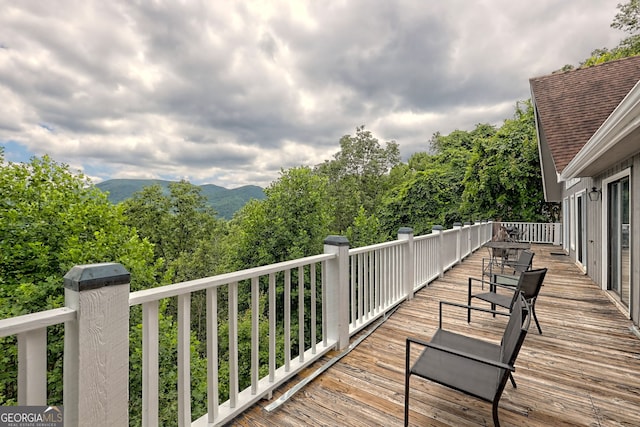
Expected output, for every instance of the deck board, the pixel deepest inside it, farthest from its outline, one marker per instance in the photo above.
(583, 371)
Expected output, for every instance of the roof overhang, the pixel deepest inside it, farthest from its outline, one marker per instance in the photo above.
(551, 186)
(613, 142)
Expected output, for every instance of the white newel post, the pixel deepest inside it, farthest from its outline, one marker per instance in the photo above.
(406, 233)
(458, 227)
(437, 229)
(96, 346)
(337, 290)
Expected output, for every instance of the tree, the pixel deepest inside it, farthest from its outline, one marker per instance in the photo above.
(628, 19)
(184, 230)
(431, 191)
(358, 176)
(502, 179)
(291, 222)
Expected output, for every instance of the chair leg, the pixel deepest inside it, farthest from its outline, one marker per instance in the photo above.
(513, 381)
(533, 311)
(406, 401)
(407, 375)
(496, 421)
(469, 302)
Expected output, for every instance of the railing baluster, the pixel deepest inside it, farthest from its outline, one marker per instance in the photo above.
(323, 284)
(287, 320)
(212, 354)
(359, 296)
(255, 334)
(312, 274)
(32, 367)
(233, 345)
(272, 327)
(301, 314)
(352, 286)
(150, 364)
(184, 359)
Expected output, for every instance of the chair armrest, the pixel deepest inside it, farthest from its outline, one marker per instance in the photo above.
(500, 285)
(466, 307)
(455, 352)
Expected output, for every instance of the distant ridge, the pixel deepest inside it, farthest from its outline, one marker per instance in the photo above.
(225, 201)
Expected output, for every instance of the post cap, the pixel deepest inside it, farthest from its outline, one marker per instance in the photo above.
(94, 276)
(336, 241)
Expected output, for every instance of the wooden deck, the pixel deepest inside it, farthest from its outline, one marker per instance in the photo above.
(584, 370)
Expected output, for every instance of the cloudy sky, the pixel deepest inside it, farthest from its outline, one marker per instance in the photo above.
(231, 92)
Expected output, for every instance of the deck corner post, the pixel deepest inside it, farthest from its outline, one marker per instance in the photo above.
(96, 346)
(406, 233)
(337, 290)
(438, 229)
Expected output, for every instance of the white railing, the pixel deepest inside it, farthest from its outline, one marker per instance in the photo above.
(338, 294)
(31, 333)
(288, 275)
(543, 233)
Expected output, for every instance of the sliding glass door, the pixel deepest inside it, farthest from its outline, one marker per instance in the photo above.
(618, 230)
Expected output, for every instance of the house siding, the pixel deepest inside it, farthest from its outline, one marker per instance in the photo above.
(593, 265)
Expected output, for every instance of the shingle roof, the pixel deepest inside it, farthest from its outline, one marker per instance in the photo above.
(572, 105)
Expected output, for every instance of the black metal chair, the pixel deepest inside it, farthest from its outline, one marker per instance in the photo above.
(470, 365)
(504, 295)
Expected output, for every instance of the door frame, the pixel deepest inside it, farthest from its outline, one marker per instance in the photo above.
(625, 173)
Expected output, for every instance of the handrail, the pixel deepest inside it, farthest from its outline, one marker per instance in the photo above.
(176, 289)
(34, 321)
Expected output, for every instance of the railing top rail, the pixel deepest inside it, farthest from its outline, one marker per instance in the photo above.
(425, 236)
(364, 249)
(33, 321)
(154, 294)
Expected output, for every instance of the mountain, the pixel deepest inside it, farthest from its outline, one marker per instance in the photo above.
(225, 201)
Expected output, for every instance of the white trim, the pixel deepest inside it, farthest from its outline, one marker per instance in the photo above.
(620, 123)
(570, 182)
(565, 223)
(572, 231)
(581, 198)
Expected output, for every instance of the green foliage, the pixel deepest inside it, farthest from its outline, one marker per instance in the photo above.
(628, 19)
(627, 48)
(292, 222)
(358, 176)
(366, 230)
(184, 230)
(502, 178)
(431, 191)
(52, 220)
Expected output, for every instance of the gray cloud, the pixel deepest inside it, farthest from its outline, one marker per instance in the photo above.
(232, 92)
